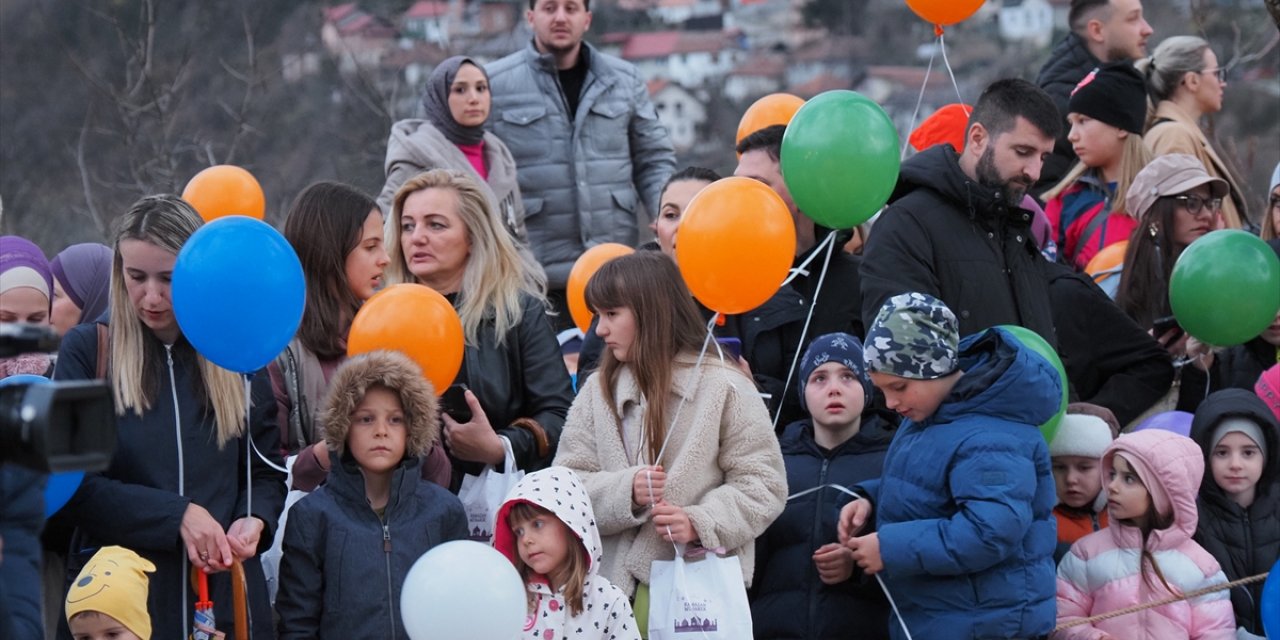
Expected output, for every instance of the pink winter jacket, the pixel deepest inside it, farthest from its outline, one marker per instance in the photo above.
(1100, 574)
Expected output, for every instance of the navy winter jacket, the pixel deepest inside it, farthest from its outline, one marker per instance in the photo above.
(964, 508)
(788, 600)
(343, 567)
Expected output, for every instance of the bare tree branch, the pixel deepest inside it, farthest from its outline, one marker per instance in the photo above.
(85, 185)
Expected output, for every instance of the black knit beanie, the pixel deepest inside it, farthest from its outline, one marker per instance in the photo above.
(1114, 94)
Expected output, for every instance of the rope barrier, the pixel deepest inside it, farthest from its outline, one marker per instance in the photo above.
(1160, 603)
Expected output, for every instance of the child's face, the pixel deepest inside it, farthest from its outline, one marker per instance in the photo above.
(92, 625)
(544, 544)
(1078, 480)
(377, 434)
(1127, 497)
(834, 396)
(1237, 464)
(617, 327)
(912, 398)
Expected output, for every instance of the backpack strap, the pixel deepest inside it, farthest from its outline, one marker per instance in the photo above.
(104, 352)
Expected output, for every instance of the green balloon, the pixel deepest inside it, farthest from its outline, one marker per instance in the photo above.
(840, 159)
(1034, 342)
(1225, 287)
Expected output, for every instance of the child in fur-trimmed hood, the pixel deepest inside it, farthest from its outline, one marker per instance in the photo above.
(376, 515)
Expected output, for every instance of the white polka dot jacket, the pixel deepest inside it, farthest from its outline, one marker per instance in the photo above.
(606, 611)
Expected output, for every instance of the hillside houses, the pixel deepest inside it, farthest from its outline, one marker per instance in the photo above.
(700, 57)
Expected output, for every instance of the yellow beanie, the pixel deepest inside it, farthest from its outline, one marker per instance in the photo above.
(114, 583)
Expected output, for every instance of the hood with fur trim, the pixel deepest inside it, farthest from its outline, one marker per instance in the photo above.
(1170, 467)
(395, 371)
(560, 491)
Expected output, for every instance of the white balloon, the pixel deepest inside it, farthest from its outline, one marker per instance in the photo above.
(463, 590)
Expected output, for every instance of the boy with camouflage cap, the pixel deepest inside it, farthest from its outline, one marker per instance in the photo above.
(964, 509)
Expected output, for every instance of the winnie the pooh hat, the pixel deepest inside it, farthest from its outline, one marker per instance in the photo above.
(114, 583)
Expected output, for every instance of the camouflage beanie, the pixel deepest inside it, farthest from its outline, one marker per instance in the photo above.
(914, 336)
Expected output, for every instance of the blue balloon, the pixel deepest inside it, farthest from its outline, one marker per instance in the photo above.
(1270, 605)
(238, 292)
(1178, 422)
(60, 486)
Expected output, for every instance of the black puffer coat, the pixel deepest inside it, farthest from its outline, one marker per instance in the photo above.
(788, 600)
(1110, 361)
(1235, 367)
(1067, 65)
(1245, 542)
(948, 236)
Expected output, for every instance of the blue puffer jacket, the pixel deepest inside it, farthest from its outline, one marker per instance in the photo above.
(964, 506)
(788, 600)
(343, 566)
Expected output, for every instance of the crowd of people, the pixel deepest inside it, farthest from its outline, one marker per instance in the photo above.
(873, 459)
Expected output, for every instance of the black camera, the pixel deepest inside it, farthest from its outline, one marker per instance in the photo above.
(60, 426)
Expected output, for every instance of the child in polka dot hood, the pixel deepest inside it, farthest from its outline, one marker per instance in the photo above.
(547, 529)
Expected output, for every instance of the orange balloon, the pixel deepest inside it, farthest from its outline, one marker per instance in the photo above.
(225, 190)
(586, 266)
(944, 12)
(417, 321)
(775, 108)
(1110, 257)
(737, 243)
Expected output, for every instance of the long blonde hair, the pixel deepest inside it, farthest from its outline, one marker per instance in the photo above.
(165, 221)
(1133, 157)
(496, 272)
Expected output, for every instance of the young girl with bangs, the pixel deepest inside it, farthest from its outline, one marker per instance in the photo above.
(671, 450)
(1147, 553)
(548, 530)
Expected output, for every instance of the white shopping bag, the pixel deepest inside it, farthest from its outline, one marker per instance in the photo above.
(482, 495)
(701, 599)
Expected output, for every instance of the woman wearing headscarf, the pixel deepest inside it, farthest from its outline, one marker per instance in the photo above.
(26, 287)
(452, 136)
(81, 282)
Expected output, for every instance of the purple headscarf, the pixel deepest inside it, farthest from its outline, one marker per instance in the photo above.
(19, 258)
(84, 271)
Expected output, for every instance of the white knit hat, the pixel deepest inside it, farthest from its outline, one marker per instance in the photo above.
(1080, 435)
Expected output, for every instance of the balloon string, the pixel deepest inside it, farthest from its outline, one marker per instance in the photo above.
(883, 588)
(802, 268)
(248, 451)
(685, 396)
(942, 44)
(906, 140)
(830, 241)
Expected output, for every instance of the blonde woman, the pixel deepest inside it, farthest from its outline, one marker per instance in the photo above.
(442, 234)
(176, 490)
(1187, 82)
(1107, 112)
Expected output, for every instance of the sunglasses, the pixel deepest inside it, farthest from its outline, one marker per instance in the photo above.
(1193, 204)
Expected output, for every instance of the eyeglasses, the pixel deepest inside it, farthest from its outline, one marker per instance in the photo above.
(1193, 204)
(1220, 72)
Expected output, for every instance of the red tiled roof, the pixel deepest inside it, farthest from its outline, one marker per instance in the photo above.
(656, 85)
(334, 14)
(761, 65)
(837, 48)
(427, 9)
(908, 76)
(823, 82)
(658, 44)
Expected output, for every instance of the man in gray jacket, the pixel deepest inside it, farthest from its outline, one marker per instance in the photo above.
(588, 145)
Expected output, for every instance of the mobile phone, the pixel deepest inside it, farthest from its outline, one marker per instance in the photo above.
(454, 403)
(1164, 325)
(732, 345)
